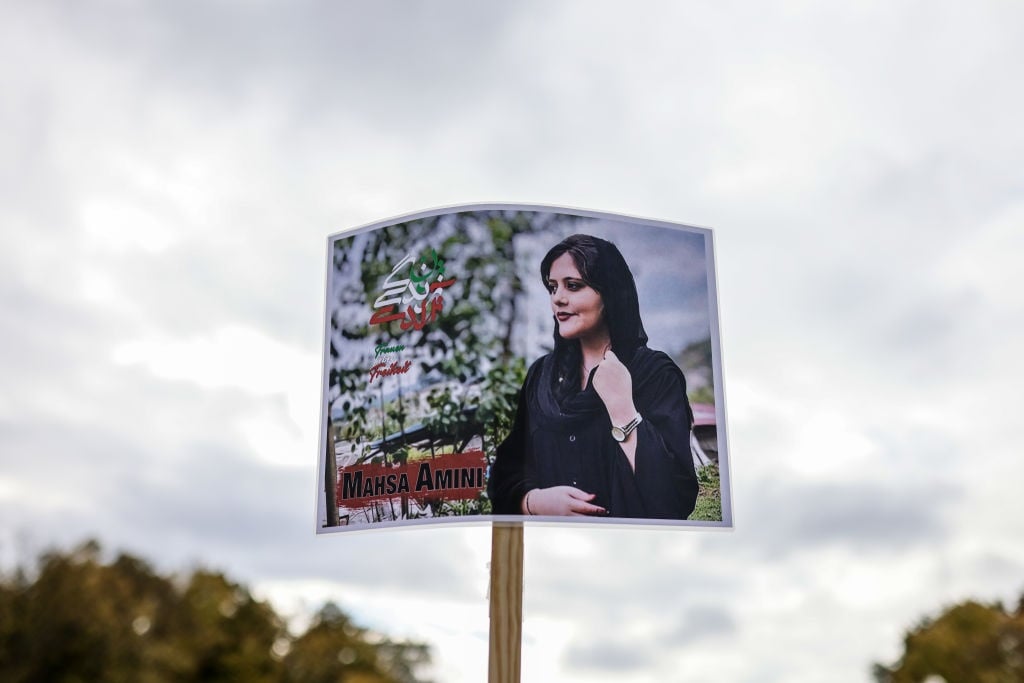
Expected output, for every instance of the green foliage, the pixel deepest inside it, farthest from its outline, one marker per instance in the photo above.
(709, 495)
(968, 643)
(469, 344)
(400, 455)
(79, 619)
(415, 454)
(696, 363)
(467, 374)
(702, 394)
(396, 414)
(448, 416)
(396, 417)
(461, 508)
(497, 406)
(334, 649)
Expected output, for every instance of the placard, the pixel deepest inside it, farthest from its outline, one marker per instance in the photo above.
(514, 363)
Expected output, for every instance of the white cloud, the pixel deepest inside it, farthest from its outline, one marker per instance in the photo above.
(170, 174)
(231, 356)
(234, 357)
(120, 227)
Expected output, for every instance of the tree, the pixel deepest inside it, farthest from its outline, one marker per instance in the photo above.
(466, 354)
(970, 642)
(334, 649)
(77, 619)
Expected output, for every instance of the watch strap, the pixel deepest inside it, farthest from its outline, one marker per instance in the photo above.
(627, 428)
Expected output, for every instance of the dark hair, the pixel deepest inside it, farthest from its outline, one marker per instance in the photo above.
(602, 267)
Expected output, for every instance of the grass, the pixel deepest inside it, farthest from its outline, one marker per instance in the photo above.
(709, 495)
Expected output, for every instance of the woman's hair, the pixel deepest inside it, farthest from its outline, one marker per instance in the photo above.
(602, 267)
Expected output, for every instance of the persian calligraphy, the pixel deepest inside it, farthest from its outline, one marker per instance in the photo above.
(415, 299)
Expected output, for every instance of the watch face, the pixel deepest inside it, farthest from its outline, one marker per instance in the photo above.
(618, 434)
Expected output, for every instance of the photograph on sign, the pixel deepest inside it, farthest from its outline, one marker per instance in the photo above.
(509, 363)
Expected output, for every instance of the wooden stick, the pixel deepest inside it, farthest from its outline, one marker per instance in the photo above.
(506, 603)
(331, 475)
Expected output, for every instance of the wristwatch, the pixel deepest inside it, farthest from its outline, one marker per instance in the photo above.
(622, 433)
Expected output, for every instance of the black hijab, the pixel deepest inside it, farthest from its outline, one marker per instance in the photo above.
(602, 267)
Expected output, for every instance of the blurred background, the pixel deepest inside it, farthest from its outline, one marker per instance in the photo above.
(170, 172)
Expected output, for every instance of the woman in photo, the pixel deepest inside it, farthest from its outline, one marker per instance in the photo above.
(603, 422)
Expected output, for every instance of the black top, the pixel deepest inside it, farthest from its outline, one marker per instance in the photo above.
(554, 444)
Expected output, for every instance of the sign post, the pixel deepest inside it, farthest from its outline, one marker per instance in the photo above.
(504, 362)
(506, 592)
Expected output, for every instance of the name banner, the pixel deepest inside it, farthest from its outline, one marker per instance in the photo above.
(508, 362)
(457, 476)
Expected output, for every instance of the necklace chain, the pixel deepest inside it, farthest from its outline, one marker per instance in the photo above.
(586, 370)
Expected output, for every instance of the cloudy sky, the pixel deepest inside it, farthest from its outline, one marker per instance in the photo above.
(170, 171)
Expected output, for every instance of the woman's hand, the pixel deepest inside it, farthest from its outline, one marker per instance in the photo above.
(560, 501)
(614, 385)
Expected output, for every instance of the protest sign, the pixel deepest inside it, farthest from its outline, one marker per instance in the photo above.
(508, 362)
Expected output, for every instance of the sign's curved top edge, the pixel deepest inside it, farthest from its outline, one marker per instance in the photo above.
(509, 206)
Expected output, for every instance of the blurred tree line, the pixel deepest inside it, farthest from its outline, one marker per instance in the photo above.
(77, 619)
(968, 643)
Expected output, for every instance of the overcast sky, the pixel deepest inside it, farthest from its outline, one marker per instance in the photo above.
(170, 171)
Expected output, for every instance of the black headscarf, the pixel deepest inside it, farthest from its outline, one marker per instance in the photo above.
(602, 267)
